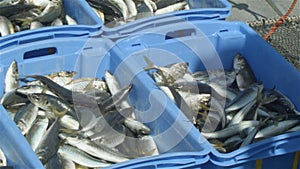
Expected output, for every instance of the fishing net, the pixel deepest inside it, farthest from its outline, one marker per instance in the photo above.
(286, 39)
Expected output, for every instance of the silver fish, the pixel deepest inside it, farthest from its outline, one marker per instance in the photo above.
(57, 22)
(70, 20)
(169, 73)
(3, 161)
(137, 127)
(97, 150)
(242, 113)
(121, 4)
(11, 77)
(276, 129)
(9, 2)
(27, 117)
(131, 8)
(51, 103)
(40, 3)
(69, 122)
(80, 157)
(50, 12)
(37, 131)
(245, 76)
(6, 27)
(172, 8)
(111, 137)
(244, 97)
(147, 146)
(232, 130)
(49, 143)
(36, 25)
(63, 77)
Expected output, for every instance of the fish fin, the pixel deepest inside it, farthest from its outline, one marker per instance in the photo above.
(150, 64)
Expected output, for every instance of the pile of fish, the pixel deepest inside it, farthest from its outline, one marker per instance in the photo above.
(76, 122)
(230, 108)
(19, 15)
(117, 12)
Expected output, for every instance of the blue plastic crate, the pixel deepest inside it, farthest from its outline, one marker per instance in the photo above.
(177, 139)
(79, 10)
(207, 45)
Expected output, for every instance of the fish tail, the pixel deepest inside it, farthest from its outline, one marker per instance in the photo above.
(150, 64)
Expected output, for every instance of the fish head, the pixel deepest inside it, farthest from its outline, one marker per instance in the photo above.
(38, 99)
(144, 130)
(239, 62)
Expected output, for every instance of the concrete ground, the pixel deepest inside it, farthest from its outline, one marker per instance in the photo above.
(250, 10)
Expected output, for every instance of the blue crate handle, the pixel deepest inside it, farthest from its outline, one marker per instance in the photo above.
(147, 24)
(46, 34)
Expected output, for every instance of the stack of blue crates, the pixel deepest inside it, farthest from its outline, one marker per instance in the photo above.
(204, 44)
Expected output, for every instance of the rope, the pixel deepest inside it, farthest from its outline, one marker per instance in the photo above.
(280, 21)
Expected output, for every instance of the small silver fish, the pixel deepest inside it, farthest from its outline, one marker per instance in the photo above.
(245, 76)
(70, 20)
(3, 161)
(36, 25)
(136, 126)
(37, 131)
(6, 27)
(11, 77)
(80, 157)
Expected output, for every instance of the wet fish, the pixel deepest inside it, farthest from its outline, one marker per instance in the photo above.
(26, 117)
(172, 8)
(36, 25)
(80, 157)
(51, 103)
(3, 161)
(11, 81)
(244, 97)
(147, 146)
(70, 20)
(37, 131)
(169, 73)
(245, 76)
(137, 127)
(49, 143)
(97, 150)
(276, 129)
(232, 130)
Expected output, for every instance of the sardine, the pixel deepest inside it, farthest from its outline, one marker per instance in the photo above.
(245, 76)
(276, 129)
(169, 73)
(51, 12)
(131, 8)
(36, 132)
(11, 81)
(147, 146)
(70, 20)
(80, 157)
(239, 116)
(51, 103)
(110, 136)
(172, 8)
(97, 150)
(3, 161)
(62, 78)
(57, 22)
(49, 143)
(244, 97)
(137, 127)
(36, 25)
(232, 130)
(6, 27)
(27, 117)
(39, 3)
(69, 122)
